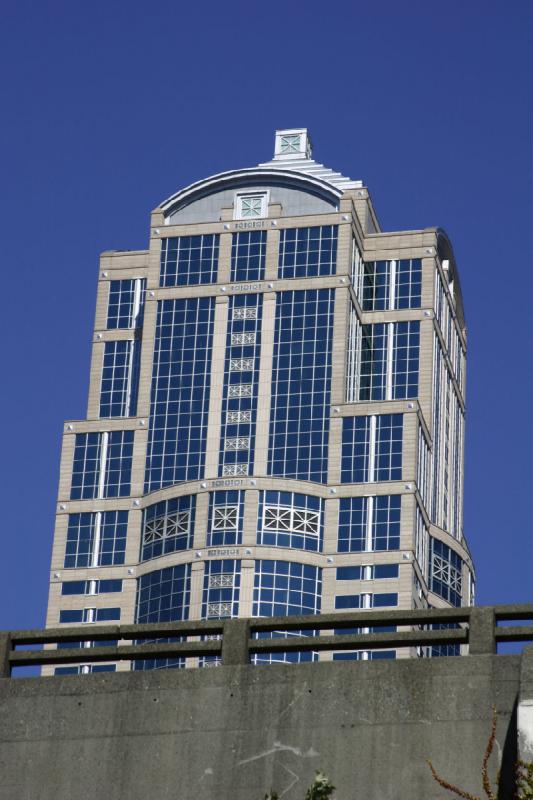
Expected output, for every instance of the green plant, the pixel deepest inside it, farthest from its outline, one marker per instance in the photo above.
(320, 789)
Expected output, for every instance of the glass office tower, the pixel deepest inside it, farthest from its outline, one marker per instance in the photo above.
(276, 412)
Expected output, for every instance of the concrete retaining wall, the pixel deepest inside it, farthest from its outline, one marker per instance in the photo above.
(231, 733)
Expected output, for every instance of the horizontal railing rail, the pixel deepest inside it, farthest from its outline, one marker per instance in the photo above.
(235, 641)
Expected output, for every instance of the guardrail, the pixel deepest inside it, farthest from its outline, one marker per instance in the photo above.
(235, 640)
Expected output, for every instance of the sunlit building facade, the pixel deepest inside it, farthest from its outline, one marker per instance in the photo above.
(276, 412)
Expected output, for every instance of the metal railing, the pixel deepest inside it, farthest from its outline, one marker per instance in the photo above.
(235, 640)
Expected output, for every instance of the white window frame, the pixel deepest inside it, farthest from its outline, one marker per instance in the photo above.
(262, 194)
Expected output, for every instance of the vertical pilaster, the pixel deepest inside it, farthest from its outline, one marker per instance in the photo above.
(247, 587)
(224, 258)
(334, 450)
(217, 385)
(197, 587)
(251, 508)
(272, 254)
(200, 520)
(265, 384)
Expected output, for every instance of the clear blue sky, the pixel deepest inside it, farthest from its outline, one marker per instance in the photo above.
(109, 107)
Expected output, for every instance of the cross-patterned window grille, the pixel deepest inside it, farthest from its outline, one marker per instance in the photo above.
(168, 526)
(290, 520)
(307, 252)
(225, 518)
(239, 393)
(244, 313)
(251, 206)
(222, 580)
(239, 416)
(235, 470)
(240, 390)
(290, 143)
(445, 577)
(242, 338)
(241, 364)
(238, 443)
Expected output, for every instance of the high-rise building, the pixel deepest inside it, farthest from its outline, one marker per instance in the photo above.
(276, 411)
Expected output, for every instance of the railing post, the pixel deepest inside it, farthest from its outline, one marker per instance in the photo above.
(481, 630)
(235, 637)
(5, 649)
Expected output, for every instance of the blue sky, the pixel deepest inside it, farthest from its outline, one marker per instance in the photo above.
(109, 107)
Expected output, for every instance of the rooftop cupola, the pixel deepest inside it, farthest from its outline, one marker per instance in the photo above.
(291, 144)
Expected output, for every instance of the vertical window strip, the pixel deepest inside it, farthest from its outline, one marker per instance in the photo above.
(180, 392)
(241, 382)
(102, 465)
(353, 368)
(389, 361)
(189, 260)
(248, 251)
(126, 303)
(163, 596)
(445, 577)
(422, 543)
(308, 252)
(301, 376)
(368, 524)
(372, 448)
(96, 539)
(283, 588)
(392, 285)
(118, 394)
(222, 580)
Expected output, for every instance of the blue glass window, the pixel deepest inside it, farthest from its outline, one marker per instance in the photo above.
(241, 377)
(307, 252)
(84, 615)
(445, 576)
(126, 303)
(168, 526)
(381, 600)
(84, 587)
(85, 669)
(360, 655)
(369, 523)
(375, 572)
(380, 343)
(120, 379)
(389, 285)
(226, 512)
(301, 377)
(287, 519)
(104, 530)
(163, 596)
(372, 448)
(248, 256)
(283, 588)
(222, 580)
(180, 392)
(189, 260)
(94, 453)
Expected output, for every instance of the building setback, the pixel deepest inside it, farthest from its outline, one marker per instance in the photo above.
(276, 412)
